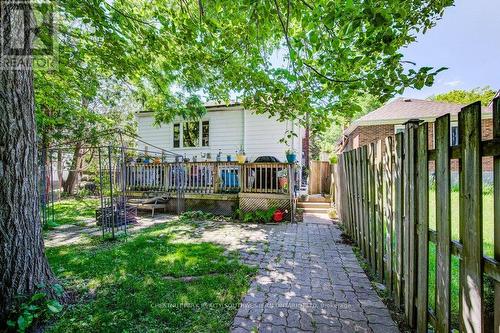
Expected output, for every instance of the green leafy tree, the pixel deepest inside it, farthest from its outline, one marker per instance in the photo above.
(485, 95)
(327, 140)
(173, 54)
(177, 52)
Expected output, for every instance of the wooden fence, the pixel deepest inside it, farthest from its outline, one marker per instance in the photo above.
(320, 179)
(385, 209)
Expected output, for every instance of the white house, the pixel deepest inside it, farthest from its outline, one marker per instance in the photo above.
(224, 128)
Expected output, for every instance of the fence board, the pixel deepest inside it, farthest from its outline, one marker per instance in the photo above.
(388, 206)
(496, 196)
(423, 228)
(398, 218)
(359, 203)
(351, 193)
(379, 211)
(410, 224)
(471, 218)
(371, 205)
(443, 224)
(365, 190)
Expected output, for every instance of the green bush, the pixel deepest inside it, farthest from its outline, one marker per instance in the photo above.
(38, 306)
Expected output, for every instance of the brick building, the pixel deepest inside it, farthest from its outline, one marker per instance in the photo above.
(390, 118)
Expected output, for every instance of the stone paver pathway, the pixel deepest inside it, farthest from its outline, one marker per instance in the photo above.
(309, 281)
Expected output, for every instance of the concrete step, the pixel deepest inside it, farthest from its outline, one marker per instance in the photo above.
(307, 204)
(315, 198)
(315, 210)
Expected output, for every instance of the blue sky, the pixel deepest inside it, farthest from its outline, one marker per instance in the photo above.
(467, 41)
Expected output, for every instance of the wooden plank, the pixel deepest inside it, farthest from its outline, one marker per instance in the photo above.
(359, 202)
(371, 205)
(443, 224)
(379, 211)
(410, 222)
(352, 193)
(471, 283)
(347, 161)
(388, 209)
(496, 208)
(364, 173)
(423, 227)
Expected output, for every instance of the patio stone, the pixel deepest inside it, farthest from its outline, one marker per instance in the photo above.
(308, 281)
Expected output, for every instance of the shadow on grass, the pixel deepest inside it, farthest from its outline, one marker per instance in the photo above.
(140, 285)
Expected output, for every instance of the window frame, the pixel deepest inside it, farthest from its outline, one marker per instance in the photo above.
(398, 128)
(200, 134)
(454, 124)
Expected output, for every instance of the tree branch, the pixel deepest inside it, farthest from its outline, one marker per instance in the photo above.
(130, 17)
(330, 78)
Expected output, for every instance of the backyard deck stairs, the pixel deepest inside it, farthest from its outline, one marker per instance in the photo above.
(315, 204)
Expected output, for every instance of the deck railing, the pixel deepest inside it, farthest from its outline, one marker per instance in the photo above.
(208, 177)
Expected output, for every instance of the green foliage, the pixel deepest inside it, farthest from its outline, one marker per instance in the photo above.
(72, 211)
(38, 307)
(333, 159)
(150, 283)
(197, 215)
(485, 95)
(327, 140)
(259, 215)
(171, 53)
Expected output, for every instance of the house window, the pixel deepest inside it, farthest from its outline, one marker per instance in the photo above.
(191, 134)
(204, 134)
(454, 134)
(177, 135)
(399, 129)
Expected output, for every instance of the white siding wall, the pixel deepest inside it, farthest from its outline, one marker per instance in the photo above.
(261, 136)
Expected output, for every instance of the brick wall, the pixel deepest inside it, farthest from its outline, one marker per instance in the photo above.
(364, 135)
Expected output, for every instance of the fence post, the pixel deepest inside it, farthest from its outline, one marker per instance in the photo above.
(423, 227)
(398, 217)
(355, 196)
(379, 218)
(351, 194)
(410, 219)
(471, 282)
(388, 179)
(371, 204)
(359, 203)
(364, 191)
(496, 195)
(443, 224)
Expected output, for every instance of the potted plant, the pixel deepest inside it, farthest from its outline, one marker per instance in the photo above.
(240, 155)
(291, 156)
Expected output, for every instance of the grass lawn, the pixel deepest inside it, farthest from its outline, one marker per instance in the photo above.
(148, 283)
(488, 235)
(72, 211)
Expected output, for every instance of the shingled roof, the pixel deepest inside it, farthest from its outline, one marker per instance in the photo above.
(401, 110)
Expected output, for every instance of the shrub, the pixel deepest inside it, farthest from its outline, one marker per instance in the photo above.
(332, 213)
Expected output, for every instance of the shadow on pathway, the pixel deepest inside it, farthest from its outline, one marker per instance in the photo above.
(308, 281)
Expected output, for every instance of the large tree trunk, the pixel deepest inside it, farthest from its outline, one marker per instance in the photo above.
(23, 264)
(73, 174)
